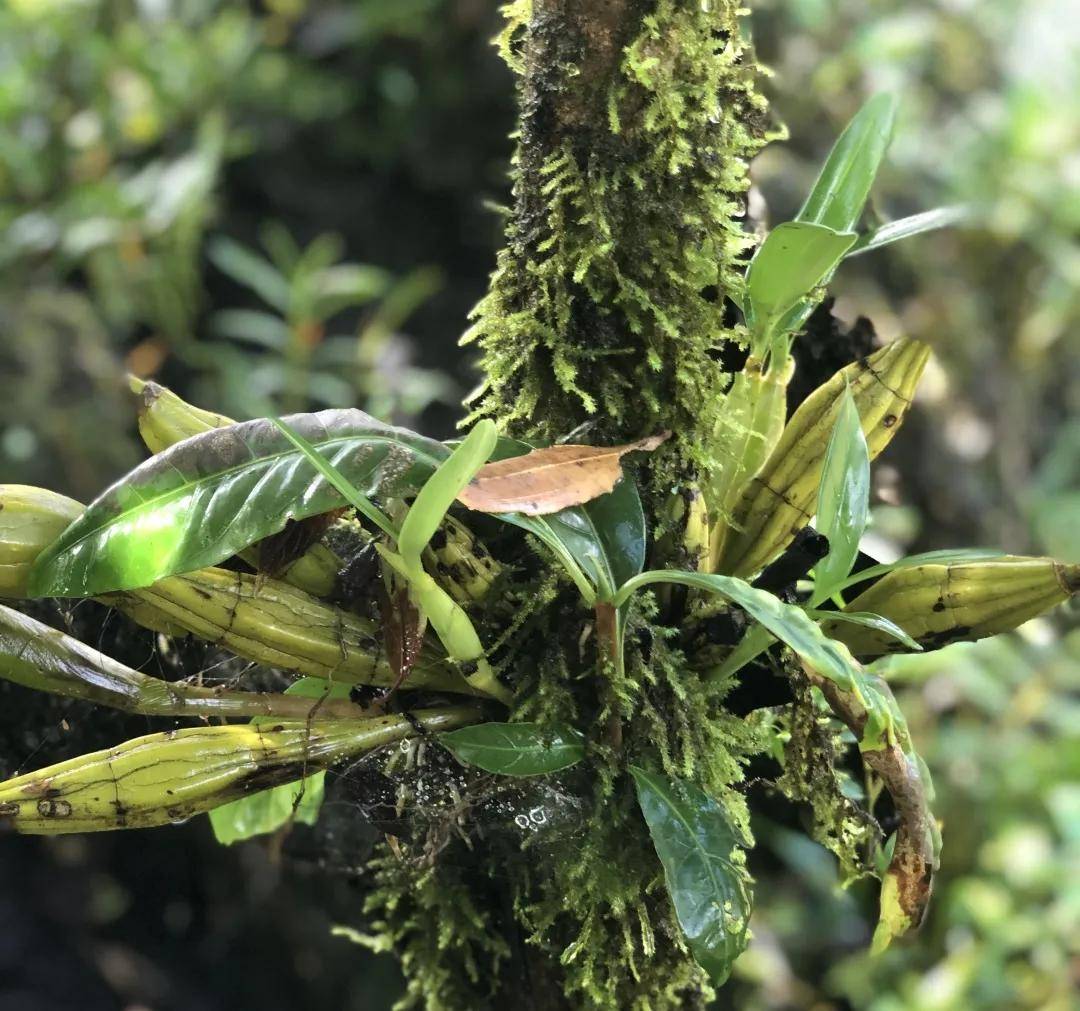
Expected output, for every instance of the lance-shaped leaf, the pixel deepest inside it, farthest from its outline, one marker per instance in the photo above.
(840, 193)
(167, 778)
(605, 536)
(790, 624)
(703, 867)
(348, 491)
(210, 496)
(905, 228)
(517, 749)
(865, 703)
(758, 639)
(165, 419)
(865, 620)
(544, 481)
(843, 500)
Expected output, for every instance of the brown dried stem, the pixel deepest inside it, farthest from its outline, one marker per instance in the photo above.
(914, 861)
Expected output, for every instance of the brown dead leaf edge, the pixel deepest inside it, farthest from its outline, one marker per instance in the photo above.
(547, 480)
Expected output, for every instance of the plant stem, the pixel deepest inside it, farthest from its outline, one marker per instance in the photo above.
(914, 859)
(39, 657)
(609, 650)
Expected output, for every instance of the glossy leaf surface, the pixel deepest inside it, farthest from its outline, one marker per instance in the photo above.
(341, 484)
(843, 499)
(214, 494)
(707, 882)
(840, 193)
(868, 620)
(517, 749)
(794, 627)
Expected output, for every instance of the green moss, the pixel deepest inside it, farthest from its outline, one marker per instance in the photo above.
(607, 302)
(432, 915)
(600, 913)
(584, 895)
(811, 777)
(596, 903)
(607, 305)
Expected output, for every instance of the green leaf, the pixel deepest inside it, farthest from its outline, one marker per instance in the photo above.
(208, 497)
(268, 810)
(252, 271)
(790, 624)
(443, 487)
(250, 325)
(347, 284)
(758, 639)
(945, 556)
(605, 537)
(904, 228)
(793, 626)
(843, 498)
(345, 488)
(864, 618)
(706, 878)
(517, 749)
(840, 193)
(792, 261)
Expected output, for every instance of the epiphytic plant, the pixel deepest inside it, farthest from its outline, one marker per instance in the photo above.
(592, 804)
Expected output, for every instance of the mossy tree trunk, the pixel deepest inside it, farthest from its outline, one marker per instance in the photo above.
(637, 121)
(607, 310)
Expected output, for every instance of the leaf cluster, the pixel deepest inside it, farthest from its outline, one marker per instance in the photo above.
(217, 490)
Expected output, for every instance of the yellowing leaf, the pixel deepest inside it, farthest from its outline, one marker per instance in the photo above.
(547, 480)
(779, 500)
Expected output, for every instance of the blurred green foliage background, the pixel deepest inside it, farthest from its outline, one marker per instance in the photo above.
(293, 204)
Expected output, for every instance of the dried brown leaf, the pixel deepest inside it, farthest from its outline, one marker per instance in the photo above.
(403, 634)
(547, 480)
